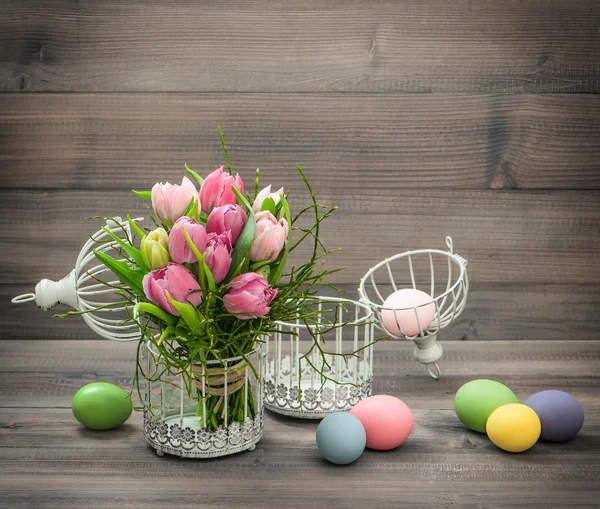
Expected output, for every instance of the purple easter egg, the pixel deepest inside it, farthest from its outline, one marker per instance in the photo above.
(560, 413)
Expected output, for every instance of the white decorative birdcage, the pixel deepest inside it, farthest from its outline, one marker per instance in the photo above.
(442, 274)
(316, 369)
(85, 288)
(171, 423)
(177, 420)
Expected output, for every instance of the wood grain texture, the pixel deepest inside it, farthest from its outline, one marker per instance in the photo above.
(509, 237)
(493, 312)
(267, 46)
(386, 143)
(47, 460)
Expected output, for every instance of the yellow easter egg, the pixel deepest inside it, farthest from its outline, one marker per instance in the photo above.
(514, 427)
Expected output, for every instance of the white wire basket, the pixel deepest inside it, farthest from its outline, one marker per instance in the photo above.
(175, 414)
(82, 290)
(301, 381)
(442, 274)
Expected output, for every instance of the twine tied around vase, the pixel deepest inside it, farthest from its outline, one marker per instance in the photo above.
(221, 381)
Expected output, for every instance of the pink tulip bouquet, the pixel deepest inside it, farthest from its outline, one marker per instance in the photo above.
(210, 279)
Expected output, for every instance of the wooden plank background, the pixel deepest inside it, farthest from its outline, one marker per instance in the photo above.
(420, 119)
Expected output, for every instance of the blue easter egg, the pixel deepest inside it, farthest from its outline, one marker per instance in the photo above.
(560, 413)
(341, 438)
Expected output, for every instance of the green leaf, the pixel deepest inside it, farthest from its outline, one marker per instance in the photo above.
(279, 212)
(133, 252)
(181, 329)
(202, 277)
(167, 332)
(192, 209)
(280, 266)
(240, 256)
(188, 312)
(255, 266)
(121, 269)
(225, 151)
(210, 280)
(147, 195)
(235, 272)
(207, 282)
(193, 247)
(135, 227)
(152, 309)
(194, 175)
(268, 205)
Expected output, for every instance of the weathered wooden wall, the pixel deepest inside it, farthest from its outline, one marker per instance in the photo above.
(420, 119)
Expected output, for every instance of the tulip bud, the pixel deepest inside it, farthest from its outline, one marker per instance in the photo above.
(263, 195)
(178, 281)
(180, 250)
(216, 190)
(218, 255)
(230, 218)
(269, 238)
(249, 295)
(155, 249)
(170, 201)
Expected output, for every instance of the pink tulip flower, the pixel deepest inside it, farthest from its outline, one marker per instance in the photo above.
(216, 190)
(218, 255)
(249, 296)
(180, 250)
(269, 238)
(230, 218)
(263, 195)
(170, 201)
(175, 279)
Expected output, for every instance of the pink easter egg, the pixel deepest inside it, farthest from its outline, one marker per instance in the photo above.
(395, 313)
(386, 419)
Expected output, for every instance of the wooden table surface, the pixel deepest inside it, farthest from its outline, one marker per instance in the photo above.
(49, 461)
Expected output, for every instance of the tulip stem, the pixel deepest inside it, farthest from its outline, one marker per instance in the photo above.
(225, 151)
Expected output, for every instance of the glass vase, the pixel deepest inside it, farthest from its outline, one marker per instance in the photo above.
(215, 410)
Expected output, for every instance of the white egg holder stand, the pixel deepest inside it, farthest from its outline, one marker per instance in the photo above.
(449, 303)
(343, 353)
(78, 288)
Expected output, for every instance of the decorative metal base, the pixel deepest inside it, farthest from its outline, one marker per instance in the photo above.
(313, 400)
(191, 441)
(428, 351)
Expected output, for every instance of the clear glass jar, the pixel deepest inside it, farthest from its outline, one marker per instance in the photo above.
(219, 413)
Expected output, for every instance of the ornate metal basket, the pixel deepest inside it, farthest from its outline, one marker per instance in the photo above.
(443, 274)
(300, 381)
(171, 423)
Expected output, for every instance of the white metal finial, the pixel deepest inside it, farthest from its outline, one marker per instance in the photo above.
(80, 288)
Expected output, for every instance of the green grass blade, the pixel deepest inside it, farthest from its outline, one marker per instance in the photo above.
(147, 195)
(194, 175)
(225, 151)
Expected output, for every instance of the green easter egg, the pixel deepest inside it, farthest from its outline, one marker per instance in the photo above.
(476, 400)
(101, 406)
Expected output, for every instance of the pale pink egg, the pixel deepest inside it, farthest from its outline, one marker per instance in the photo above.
(386, 419)
(407, 318)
